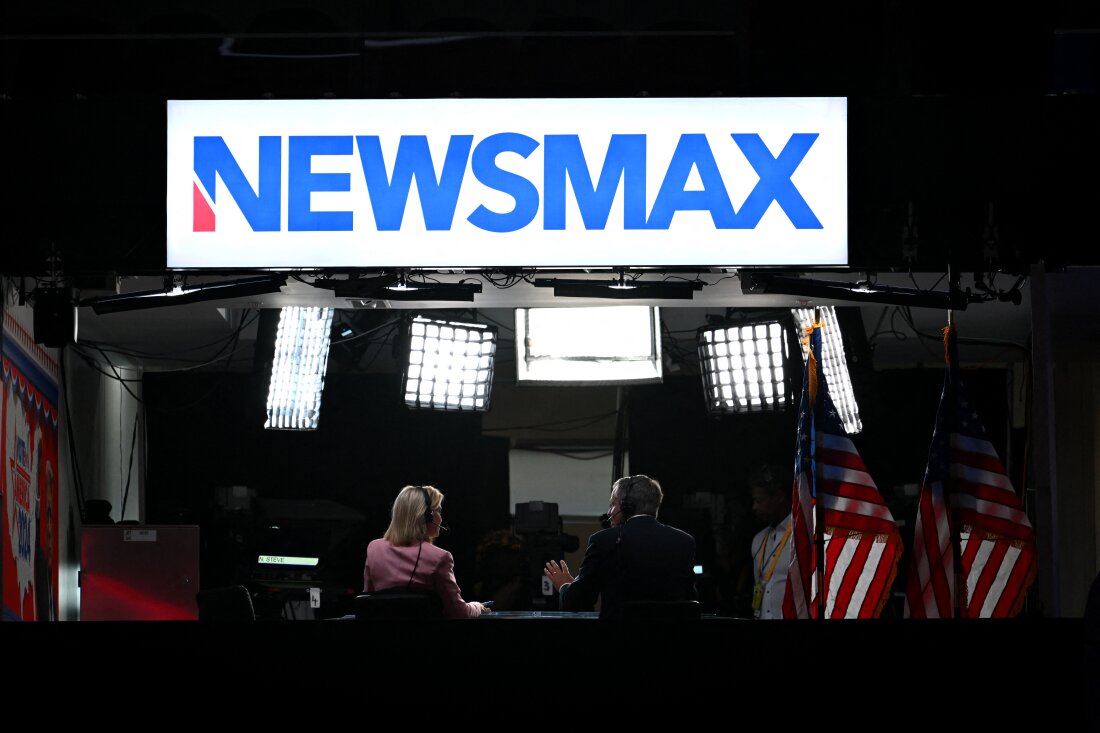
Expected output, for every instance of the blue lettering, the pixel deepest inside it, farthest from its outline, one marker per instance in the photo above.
(302, 181)
(484, 166)
(625, 161)
(261, 209)
(775, 180)
(624, 167)
(388, 196)
(692, 151)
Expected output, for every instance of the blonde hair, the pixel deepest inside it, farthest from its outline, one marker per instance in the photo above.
(407, 518)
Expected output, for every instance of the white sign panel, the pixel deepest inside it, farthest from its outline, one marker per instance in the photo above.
(469, 183)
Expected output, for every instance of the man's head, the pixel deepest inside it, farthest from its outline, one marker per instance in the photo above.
(771, 494)
(630, 495)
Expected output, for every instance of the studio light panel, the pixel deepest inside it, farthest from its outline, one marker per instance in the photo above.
(450, 365)
(588, 345)
(835, 363)
(298, 368)
(744, 367)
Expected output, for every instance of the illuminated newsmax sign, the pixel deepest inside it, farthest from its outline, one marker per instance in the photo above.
(454, 183)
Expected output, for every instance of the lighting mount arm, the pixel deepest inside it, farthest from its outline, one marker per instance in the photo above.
(171, 294)
(861, 292)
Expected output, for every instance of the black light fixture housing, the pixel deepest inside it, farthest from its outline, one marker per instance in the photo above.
(622, 289)
(397, 286)
(169, 295)
(430, 291)
(55, 321)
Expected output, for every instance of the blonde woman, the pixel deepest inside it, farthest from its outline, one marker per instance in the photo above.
(405, 558)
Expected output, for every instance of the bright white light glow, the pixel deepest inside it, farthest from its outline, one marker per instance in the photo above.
(450, 365)
(743, 367)
(285, 560)
(598, 345)
(835, 364)
(298, 369)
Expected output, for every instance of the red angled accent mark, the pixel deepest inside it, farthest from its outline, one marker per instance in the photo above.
(204, 215)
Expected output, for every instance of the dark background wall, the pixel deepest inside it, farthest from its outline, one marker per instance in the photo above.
(206, 432)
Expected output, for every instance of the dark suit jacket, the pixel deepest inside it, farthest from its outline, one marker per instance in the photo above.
(640, 560)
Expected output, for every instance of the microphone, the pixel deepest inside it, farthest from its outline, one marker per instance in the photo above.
(443, 531)
(605, 519)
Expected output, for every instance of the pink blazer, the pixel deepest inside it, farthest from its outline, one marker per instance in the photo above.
(389, 566)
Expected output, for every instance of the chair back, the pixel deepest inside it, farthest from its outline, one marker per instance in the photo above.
(231, 603)
(397, 605)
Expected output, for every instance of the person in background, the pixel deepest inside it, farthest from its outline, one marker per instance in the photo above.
(405, 558)
(500, 564)
(636, 558)
(732, 570)
(771, 547)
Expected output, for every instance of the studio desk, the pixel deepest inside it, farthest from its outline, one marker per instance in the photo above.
(1039, 660)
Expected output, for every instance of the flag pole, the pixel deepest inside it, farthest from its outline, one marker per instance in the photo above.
(956, 541)
(819, 527)
(956, 544)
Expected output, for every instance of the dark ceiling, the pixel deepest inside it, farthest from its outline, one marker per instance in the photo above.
(972, 140)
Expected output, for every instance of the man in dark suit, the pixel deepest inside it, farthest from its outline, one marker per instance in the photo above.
(636, 558)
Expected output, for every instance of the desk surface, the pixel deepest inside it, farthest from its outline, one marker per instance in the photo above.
(540, 614)
(512, 615)
(546, 614)
(693, 661)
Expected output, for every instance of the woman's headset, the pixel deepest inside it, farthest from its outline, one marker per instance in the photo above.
(427, 505)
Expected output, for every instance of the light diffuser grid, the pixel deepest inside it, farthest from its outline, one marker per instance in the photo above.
(835, 364)
(743, 367)
(298, 368)
(450, 365)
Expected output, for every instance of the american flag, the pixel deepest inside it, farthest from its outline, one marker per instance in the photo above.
(967, 491)
(861, 540)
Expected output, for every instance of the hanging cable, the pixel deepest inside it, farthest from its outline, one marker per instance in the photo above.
(130, 470)
(622, 415)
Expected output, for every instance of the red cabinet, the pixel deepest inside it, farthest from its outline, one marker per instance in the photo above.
(139, 572)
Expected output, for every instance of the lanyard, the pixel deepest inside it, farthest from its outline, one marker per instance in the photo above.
(775, 553)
